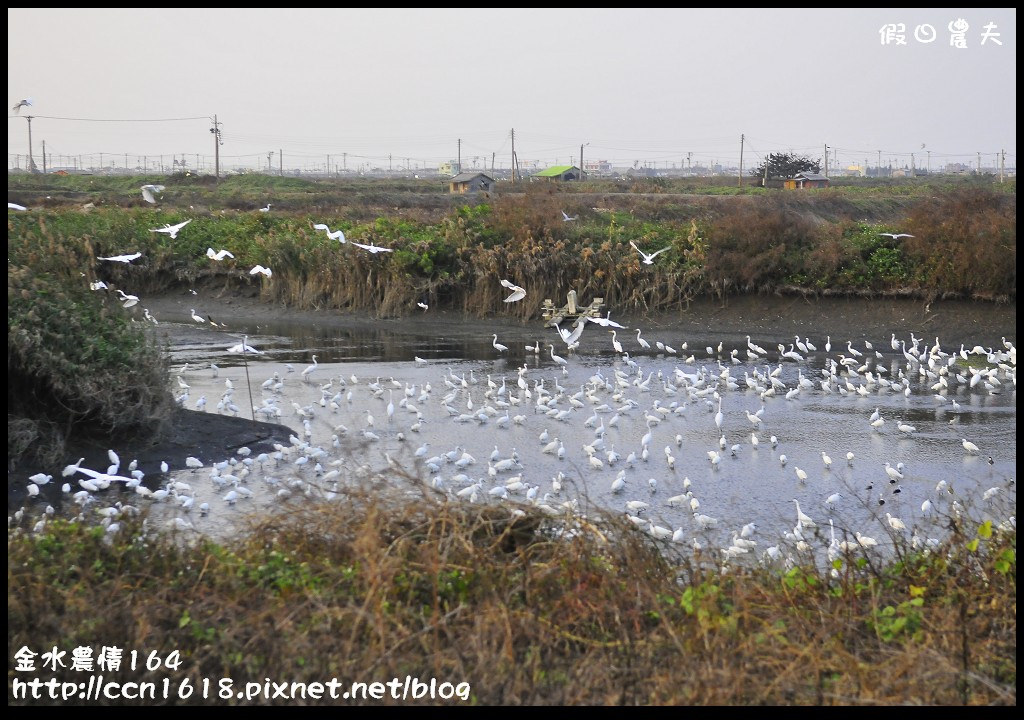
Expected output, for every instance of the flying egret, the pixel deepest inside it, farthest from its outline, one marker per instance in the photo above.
(244, 347)
(896, 236)
(518, 293)
(122, 258)
(219, 254)
(172, 230)
(422, 305)
(260, 269)
(148, 190)
(567, 218)
(648, 259)
(129, 300)
(26, 102)
(336, 235)
(374, 249)
(15, 206)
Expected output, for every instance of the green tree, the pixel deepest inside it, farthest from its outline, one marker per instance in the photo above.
(786, 165)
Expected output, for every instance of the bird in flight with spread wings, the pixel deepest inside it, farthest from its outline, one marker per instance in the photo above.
(148, 190)
(568, 218)
(122, 258)
(897, 236)
(648, 258)
(171, 230)
(338, 235)
(219, 254)
(518, 293)
(27, 102)
(372, 248)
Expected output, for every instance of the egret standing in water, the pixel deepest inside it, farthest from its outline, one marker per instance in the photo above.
(497, 345)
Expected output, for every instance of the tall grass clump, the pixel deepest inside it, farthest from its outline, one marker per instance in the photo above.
(965, 242)
(77, 365)
(390, 579)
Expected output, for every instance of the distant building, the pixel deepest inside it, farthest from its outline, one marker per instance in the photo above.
(471, 182)
(599, 166)
(451, 167)
(804, 180)
(559, 172)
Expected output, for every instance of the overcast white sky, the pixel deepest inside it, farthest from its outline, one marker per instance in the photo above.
(645, 85)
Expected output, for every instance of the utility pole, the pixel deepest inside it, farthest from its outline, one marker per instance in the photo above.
(216, 148)
(389, 163)
(929, 161)
(328, 165)
(270, 166)
(44, 159)
(32, 163)
(459, 161)
(492, 162)
(1002, 164)
(344, 164)
(878, 173)
(280, 162)
(30, 152)
(826, 161)
(513, 153)
(768, 158)
(689, 163)
(739, 180)
(913, 172)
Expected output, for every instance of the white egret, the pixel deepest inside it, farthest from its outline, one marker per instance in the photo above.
(172, 231)
(497, 345)
(260, 269)
(970, 447)
(197, 318)
(568, 218)
(648, 259)
(219, 254)
(335, 235)
(25, 102)
(896, 236)
(518, 293)
(374, 249)
(148, 190)
(122, 258)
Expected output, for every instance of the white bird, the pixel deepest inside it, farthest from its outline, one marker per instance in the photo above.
(803, 519)
(557, 358)
(648, 259)
(895, 523)
(567, 218)
(497, 345)
(148, 190)
(219, 254)
(897, 236)
(122, 258)
(129, 300)
(518, 293)
(15, 206)
(244, 347)
(892, 472)
(197, 318)
(374, 249)
(336, 235)
(970, 447)
(265, 209)
(309, 369)
(260, 269)
(172, 230)
(26, 102)
(422, 305)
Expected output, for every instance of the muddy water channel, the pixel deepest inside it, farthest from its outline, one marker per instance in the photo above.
(516, 426)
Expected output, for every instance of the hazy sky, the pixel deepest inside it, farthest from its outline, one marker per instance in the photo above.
(645, 85)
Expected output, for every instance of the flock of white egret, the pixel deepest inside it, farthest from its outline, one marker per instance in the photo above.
(692, 451)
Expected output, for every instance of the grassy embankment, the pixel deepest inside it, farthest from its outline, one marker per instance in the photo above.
(377, 585)
(450, 252)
